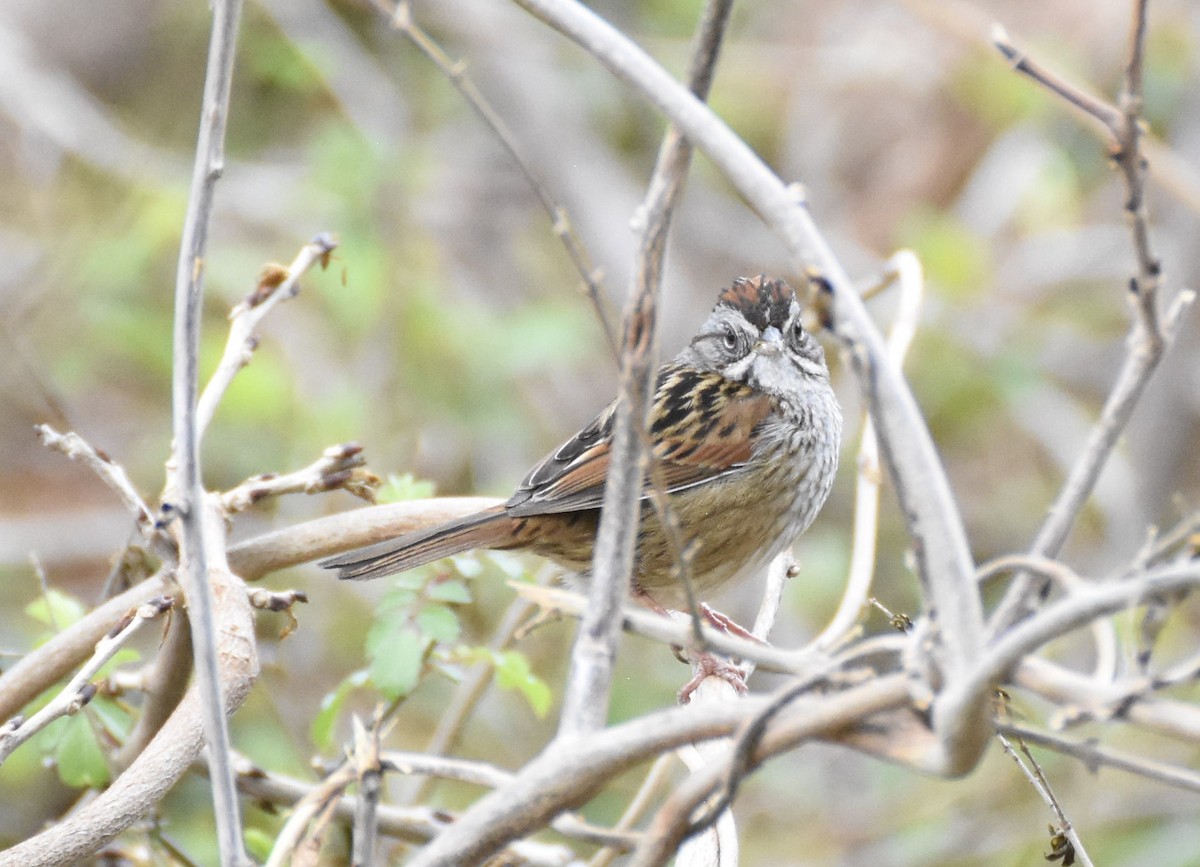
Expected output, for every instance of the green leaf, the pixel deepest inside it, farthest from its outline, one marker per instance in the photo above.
(56, 609)
(399, 488)
(397, 658)
(112, 715)
(259, 844)
(467, 565)
(414, 581)
(513, 672)
(449, 589)
(123, 656)
(439, 623)
(399, 599)
(955, 258)
(79, 758)
(321, 729)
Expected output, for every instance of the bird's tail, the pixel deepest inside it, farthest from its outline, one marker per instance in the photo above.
(487, 529)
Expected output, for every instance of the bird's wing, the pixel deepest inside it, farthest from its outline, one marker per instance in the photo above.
(701, 429)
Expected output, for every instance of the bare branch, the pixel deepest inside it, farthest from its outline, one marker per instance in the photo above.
(368, 771)
(1094, 756)
(568, 772)
(185, 484)
(1174, 719)
(1093, 106)
(1070, 613)
(112, 474)
(80, 690)
(339, 467)
(1033, 773)
(164, 684)
(655, 780)
(673, 632)
(312, 804)
(300, 543)
(1147, 343)
(275, 284)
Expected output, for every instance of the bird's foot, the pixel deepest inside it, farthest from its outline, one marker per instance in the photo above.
(710, 665)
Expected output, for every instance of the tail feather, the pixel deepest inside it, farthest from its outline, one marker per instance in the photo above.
(486, 529)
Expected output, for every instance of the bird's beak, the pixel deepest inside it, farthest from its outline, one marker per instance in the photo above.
(771, 341)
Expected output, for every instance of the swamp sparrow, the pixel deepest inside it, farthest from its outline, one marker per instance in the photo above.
(745, 431)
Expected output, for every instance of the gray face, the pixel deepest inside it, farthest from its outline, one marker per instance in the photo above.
(754, 335)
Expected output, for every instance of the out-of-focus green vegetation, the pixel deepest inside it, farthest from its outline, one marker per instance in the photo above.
(449, 336)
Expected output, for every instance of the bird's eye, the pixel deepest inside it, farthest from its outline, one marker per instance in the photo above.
(729, 339)
(797, 332)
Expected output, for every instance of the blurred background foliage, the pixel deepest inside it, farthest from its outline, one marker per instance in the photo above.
(450, 336)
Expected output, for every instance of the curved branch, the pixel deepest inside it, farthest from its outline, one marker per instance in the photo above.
(148, 778)
(568, 773)
(1063, 616)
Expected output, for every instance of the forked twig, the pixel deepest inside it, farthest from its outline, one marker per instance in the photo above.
(80, 689)
(1148, 339)
(1033, 772)
(76, 448)
(340, 466)
(275, 284)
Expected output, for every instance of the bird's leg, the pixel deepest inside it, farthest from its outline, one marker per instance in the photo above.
(641, 597)
(727, 624)
(707, 663)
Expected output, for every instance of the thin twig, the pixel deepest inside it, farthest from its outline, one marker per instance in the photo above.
(1033, 773)
(1094, 756)
(185, 481)
(80, 689)
(294, 830)
(1148, 339)
(640, 621)
(275, 284)
(111, 473)
(401, 18)
(339, 467)
(1166, 542)
(1093, 106)
(655, 780)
